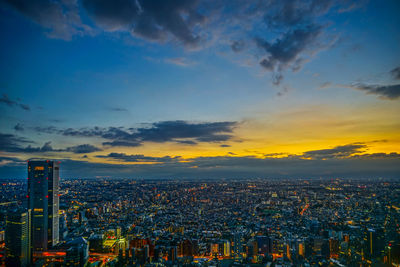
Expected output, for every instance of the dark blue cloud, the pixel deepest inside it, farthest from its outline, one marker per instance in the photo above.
(186, 142)
(9, 102)
(166, 131)
(82, 149)
(390, 92)
(17, 144)
(149, 19)
(122, 143)
(336, 152)
(286, 50)
(170, 130)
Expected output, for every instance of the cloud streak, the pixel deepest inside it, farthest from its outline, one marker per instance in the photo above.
(83, 149)
(4, 99)
(16, 144)
(344, 151)
(389, 92)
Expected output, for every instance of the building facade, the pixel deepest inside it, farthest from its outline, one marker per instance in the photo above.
(17, 238)
(43, 200)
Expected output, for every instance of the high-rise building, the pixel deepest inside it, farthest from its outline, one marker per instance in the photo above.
(227, 248)
(77, 253)
(43, 200)
(237, 245)
(17, 237)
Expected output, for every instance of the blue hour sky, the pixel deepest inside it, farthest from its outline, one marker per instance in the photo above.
(201, 88)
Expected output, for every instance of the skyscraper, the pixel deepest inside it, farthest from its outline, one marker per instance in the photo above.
(237, 245)
(43, 200)
(18, 237)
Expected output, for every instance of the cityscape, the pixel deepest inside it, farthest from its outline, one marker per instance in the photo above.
(221, 133)
(248, 222)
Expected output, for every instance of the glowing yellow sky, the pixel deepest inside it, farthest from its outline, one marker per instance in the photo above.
(283, 132)
(295, 131)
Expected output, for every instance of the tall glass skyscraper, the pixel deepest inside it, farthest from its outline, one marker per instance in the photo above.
(43, 200)
(18, 237)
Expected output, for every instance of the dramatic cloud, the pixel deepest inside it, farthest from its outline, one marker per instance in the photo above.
(61, 18)
(198, 23)
(336, 152)
(31, 149)
(165, 131)
(285, 51)
(390, 92)
(6, 100)
(171, 130)
(149, 19)
(301, 33)
(395, 73)
(82, 149)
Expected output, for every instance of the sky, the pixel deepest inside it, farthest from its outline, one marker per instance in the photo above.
(201, 89)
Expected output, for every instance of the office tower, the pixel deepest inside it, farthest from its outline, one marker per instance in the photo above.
(334, 247)
(237, 245)
(77, 253)
(17, 237)
(172, 253)
(43, 200)
(227, 248)
(301, 248)
(185, 248)
(263, 244)
(214, 249)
